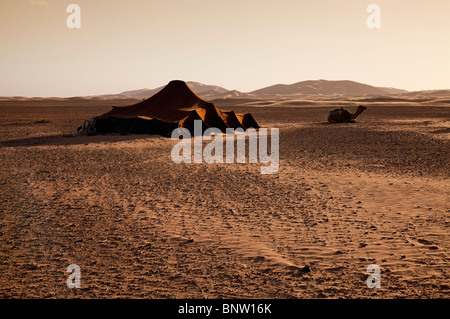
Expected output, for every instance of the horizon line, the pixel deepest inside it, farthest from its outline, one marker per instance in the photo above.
(245, 92)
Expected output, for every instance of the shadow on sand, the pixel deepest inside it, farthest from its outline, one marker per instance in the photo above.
(337, 123)
(65, 140)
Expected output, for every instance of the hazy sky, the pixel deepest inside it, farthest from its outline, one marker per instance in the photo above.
(238, 44)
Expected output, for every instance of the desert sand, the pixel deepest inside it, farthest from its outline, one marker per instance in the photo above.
(139, 226)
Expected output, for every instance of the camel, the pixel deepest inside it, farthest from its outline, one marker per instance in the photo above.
(343, 116)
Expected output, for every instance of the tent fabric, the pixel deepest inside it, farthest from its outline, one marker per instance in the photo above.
(247, 120)
(136, 125)
(231, 119)
(174, 106)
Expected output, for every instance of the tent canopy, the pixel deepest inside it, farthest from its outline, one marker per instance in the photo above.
(176, 105)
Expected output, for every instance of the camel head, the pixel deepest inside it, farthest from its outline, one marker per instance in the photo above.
(361, 109)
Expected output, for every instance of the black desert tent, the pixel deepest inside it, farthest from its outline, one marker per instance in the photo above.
(176, 105)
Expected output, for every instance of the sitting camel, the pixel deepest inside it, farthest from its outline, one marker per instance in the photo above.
(342, 116)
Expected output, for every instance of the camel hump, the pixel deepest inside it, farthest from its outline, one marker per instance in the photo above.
(337, 111)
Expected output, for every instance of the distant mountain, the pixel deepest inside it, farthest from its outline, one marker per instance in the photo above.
(201, 88)
(428, 93)
(299, 90)
(324, 87)
(304, 88)
(198, 88)
(225, 95)
(393, 90)
(140, 94)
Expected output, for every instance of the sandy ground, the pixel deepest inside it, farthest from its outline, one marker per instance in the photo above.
(139, 226)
